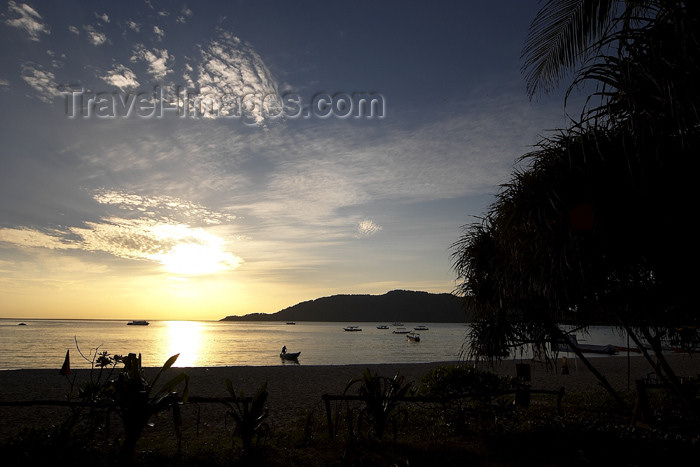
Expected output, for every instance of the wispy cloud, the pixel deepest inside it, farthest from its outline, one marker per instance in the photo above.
(185, 14)
(41, 80)
(95, 37)
(367, 228)
(133, 25)
(158, 60)
(121, 77)
(25, 17)
(232, 68)
(104, 17)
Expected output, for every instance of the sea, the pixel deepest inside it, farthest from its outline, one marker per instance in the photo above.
(43, 343)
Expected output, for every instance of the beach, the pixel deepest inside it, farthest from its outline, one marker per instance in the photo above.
(295, 390)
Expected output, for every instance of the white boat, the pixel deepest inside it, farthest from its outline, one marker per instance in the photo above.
(396, 323)
(400, 331)
(420, 328)
(289, 355)
(413, 337)
(352, 328)
(138, 322)
(586, 348)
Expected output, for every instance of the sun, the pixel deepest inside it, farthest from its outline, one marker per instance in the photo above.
(193, 258)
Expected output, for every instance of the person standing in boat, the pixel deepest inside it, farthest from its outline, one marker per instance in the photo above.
(284, 349)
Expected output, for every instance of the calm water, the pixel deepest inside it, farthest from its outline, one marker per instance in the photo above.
(43, 343)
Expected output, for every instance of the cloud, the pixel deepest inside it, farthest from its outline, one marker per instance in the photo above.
(74, 30)
(29, 238)
(184, 14)
(162, 206)
(159, 32)
(151, 236)
(367, 228)
(104, 17)
(95, 37)
(231, 70)
(25, 17)
(158, 60)
(121, 77)
(134, 26)
(42, 81)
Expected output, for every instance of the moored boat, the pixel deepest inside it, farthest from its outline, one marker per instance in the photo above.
(608, 349)
(383, 326)
(352, 328)
(400, 331)
(138, 322)
(420, 327)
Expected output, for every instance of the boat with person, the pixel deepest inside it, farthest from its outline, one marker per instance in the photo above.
(138, 322)
(290, 355)
(413, 337)
(352, 328)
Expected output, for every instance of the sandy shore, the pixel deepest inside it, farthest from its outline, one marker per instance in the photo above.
(296, 389)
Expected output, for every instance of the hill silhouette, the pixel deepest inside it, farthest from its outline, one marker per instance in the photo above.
(397, 305)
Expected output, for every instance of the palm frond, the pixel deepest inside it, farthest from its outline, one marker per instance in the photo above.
(560, 38)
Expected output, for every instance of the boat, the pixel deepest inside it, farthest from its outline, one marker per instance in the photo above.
(290, 355)
(291, 322)
(586, 348)
(138, 322)
(420, 328)
(413, 337)
(396, 323)
(383, 326)
(352, 328)
(400, 331)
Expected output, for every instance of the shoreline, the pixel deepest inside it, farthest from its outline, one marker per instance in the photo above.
(297, 389)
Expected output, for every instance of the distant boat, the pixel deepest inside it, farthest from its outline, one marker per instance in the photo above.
(420, 328)
(138, 322)
(289, 355)
(586, 348)
(413, 337)
(352, 328)
(396, 323)
(291, 322)
(400, 331)
(383, 326)
(22, 324)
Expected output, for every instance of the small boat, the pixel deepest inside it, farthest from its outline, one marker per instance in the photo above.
(400, 331)
(420, 328)
(138, 322)
(291, 322)
(396, 323)
(586, 348)
(413, 337)
(290, 355)
(352, 328)
(22, 324)
(383, 326)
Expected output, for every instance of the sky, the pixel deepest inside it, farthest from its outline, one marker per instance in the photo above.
(172, 160)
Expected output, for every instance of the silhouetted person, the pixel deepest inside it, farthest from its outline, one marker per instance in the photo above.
(284, 349)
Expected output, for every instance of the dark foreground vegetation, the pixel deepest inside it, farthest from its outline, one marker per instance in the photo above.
(456, 415)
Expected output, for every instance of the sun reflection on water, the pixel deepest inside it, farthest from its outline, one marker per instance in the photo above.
(187, 339)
